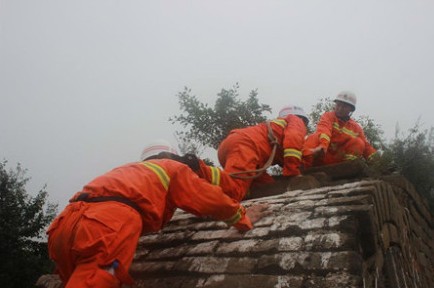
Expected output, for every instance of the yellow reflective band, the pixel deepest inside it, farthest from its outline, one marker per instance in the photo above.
(372, 155)
(350, 157)
(234, 219)
(215, 175)
(324, 136)
(345, 130)
(164, 178)
(292, 153)
(282, 123)
(350, 132)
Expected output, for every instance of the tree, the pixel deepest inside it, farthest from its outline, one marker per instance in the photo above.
(324, 105)
(412, 155)
(209, 126)
(23, 220)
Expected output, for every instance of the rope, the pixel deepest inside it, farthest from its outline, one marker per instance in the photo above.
(275, 143)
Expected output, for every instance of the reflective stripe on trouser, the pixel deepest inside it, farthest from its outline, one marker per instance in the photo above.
(350, 150)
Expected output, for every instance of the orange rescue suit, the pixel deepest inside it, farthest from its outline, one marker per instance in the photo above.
(249, 149)
(340, 141)
(87, 239)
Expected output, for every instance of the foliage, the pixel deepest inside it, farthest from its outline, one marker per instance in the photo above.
(23, 220)
(324, 105)
(373, 131)
(209, 126)
(413, 157)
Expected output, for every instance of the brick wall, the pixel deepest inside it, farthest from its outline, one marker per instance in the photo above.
(334, 230)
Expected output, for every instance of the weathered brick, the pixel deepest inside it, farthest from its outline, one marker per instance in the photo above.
(242, 246)
(212, 265)
(314, 261)
(320, 241)
(138, 268)
(333, 280)
(306, 204)
(207, 235)
(253, 281)
(302, 197)
(162, 240)
(290, 244)
(167, 282)
(167, 253)
(202, 248)
(339, 210)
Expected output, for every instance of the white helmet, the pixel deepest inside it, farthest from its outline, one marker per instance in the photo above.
(347, 97)
(295, 110)
(156, 147)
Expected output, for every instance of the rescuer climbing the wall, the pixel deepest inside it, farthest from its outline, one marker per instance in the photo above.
(94, 238)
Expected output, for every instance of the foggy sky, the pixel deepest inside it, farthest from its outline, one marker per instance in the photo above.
(84, 85)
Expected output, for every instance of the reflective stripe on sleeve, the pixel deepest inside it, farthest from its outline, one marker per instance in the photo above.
(350, 132)
(345, 130)
(350, 157)
(234, 219)
(282, 123)
(162, 175)
(324, 136)
(215, 175)
(289, 152)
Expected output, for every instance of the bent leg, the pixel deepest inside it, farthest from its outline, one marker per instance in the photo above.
(104, 233)
(237, 154)
(90, 275)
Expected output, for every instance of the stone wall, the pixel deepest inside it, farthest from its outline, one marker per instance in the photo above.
(368, 233)
(329, 229)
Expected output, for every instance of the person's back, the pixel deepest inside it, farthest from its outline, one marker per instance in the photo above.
(245, 153)
(158, 186)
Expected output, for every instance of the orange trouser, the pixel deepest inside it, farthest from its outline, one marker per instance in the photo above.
(236, 154)
(86, 238)
(349, 150)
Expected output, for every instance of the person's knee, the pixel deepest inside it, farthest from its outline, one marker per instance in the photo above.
(104, 278)
(355, 146)
(93, 276)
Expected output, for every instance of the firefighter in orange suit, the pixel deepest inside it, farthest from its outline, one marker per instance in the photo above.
(337, 137)
(94, 239)
(245, 152)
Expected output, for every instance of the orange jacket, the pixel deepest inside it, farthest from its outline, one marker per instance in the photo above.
(289, 132)
(219, 177)
(335, 133)
(160, 186)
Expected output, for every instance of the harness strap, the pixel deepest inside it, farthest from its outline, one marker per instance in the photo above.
(274, 142)
(85, 198)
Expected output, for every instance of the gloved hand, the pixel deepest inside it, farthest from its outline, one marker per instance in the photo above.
(318, 152)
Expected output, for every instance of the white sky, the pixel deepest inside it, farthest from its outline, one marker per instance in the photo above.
(84, 85)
